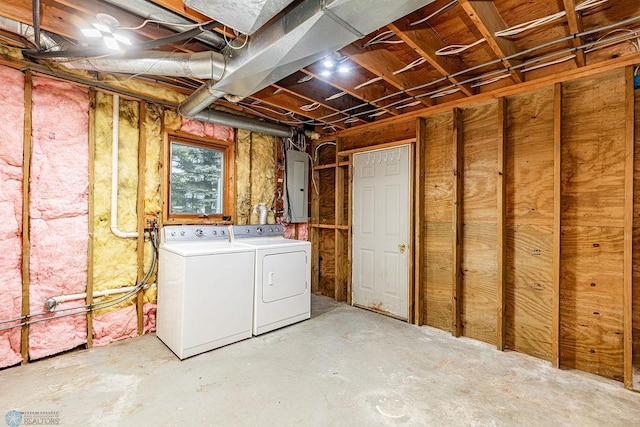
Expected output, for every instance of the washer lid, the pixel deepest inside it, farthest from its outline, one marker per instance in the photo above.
(204, 248)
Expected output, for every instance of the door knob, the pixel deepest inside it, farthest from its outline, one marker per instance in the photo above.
(401, 247)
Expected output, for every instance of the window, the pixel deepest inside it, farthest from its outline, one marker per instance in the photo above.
(198, 179)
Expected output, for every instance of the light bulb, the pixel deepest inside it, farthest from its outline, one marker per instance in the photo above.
(111, 43)
(102, 27)
(329, 63)
(91, 32)
(343, 69)
(326, 73)
(122, 39)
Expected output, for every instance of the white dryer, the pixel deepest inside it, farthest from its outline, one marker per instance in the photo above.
(282, 294)
(205, 289)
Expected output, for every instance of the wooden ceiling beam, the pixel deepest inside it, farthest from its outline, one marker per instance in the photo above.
(317, 91)
(367, 94)
(426, 42)
(575, 27)
(293, 103)
(487, 19)
(383, 63)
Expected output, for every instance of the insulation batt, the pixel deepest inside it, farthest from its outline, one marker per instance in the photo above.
(11, 148)
(59, 206)
(210, 130)
(115, 259)
(255, 175)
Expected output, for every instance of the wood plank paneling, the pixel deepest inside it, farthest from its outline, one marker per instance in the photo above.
(437, 229)
(530, 289)
(327, 203)
(529, 281)
(636, 254)
(628, 229)
(326, 262)
(479, 214)
(593, 179)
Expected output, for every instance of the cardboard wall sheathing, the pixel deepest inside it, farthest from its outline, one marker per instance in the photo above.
(529, 222)
(479, 210)
(437, 266)
(59, 206)
(11, 175)
(593, 160)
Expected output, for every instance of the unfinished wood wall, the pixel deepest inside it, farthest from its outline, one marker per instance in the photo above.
(528, 233)
(520, 171)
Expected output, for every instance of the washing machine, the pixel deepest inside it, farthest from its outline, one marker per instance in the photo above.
(205, 289)
(282, 278)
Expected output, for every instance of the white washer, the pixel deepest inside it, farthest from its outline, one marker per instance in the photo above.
(205, 289)
(282, 276)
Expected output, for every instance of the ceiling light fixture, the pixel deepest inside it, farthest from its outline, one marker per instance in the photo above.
(334, 62)
(105, 28)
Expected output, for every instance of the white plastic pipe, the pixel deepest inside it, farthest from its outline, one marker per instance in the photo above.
(114, 175)
(261, 208)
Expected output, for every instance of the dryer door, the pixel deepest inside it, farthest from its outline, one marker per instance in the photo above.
(284, 275)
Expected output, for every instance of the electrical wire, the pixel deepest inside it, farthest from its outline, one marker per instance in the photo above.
(154, 21)
(411, 65)
(454, 49)
(228, 41)
(546, 64)
(382, 38)
(437, 12)
(319, 120)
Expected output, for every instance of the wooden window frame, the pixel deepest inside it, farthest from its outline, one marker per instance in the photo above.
(228, 209)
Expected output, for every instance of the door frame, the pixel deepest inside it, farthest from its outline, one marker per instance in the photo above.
(413, 291)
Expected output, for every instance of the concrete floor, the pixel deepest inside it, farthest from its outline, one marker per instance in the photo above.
(344, 367)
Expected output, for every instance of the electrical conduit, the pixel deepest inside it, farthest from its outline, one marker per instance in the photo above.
(114, 174)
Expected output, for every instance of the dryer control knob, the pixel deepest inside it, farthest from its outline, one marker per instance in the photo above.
(259, 230)
(182, 233)
(215, 233)
(199, 232)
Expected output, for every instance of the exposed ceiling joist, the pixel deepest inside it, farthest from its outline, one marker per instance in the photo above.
(487, 19)
(426, 42)
(575, 27)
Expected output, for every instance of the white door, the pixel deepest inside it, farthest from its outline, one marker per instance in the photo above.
(381, 206)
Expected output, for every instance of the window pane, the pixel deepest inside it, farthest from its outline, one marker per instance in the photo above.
(197, 176)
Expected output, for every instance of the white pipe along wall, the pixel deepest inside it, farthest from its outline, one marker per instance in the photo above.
(114, 175)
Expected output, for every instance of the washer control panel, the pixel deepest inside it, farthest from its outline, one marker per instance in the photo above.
(176, 233)
(253, 231)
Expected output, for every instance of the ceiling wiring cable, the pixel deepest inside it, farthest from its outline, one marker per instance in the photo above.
(525, 26)
(445, 92)
(367, 83)
(437, 12)
(411, 65)
(408, 104)
(319, 120)
(310, 107)
(305, 79)
(336, 96)
(154, 21)
(491, 80)
(546, 64)
(320, 146)
(632, 34)
(382, 38)
(228, 41)
(84, 308)
(454, 49)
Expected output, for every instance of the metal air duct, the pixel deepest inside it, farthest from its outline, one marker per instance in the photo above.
(199, 65)
(227, 119)
(29, 33)
(305, 34)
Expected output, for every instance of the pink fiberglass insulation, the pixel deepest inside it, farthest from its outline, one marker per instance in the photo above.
(59, 205)
(290, 231)
(119, 324)
(11, 147)
(115, 325)
(210, 130)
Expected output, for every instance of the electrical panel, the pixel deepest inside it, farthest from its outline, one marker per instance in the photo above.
(296, 186)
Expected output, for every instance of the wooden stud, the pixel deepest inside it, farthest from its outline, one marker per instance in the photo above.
(419, 218)
(456, 223)
(628, 230)
(350, 233)
(26, 207)
(557, 230)
(340, 291)
(314, 235)
(91, 214)
(501, 223)
(575, 27)
(142, 161)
